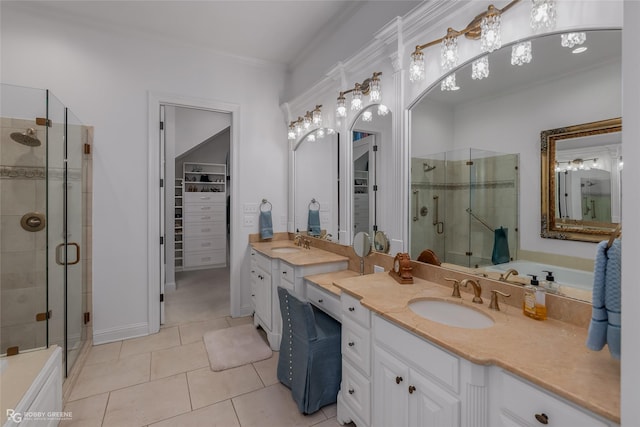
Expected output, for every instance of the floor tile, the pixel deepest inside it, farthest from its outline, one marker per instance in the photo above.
(219, 415)
(237, 321)
(193, 331)
(209, 387)
(179, 359)
(268, 369)
(272, 406)
(148, 403)
(167, 337)
(106, 376)
(330, 411)
(86, 412)
(332, 422)
(104, 353)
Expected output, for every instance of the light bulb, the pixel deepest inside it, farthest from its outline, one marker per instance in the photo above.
(320, 133)
(543, 14)
(356, 99)
(572, 39)
(521, 53)
(367, 116)
(490, 31)
(375, 90)
(306, 123)
(317, 116)
(298, 128)
(383, 110)
(480, 68)
(416, 67)
(291, 134)
(449, 83)
(311, 138)
(449, 53)
(341, 108)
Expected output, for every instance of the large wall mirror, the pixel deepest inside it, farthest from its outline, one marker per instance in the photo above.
(315, 184)
(475, 140)
(581, 169)
(370, 132)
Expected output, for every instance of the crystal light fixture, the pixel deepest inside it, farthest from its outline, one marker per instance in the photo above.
(299, 126)
(320, 133)
(449, 83)
(291, 133)
(317, 115)
(306, 122)
(375, 91)
(356, 98)
(367, 116)
(573, 39)
(341, 108)
(490, 26)
(543, 14)
(416, 67)
(311, 138)
(521, 53)
(480, 68)
(449, 51)
(383, 110)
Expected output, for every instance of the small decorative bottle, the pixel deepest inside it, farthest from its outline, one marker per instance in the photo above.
(534, 300)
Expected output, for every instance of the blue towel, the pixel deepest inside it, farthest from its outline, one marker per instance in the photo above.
(266, 225)
(313, 223)
(500, 253)
(607, 301)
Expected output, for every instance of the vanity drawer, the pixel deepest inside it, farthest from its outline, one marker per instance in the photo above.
(356, 345)
(522, 401)
(324, 300)
(261, 261)
(352, 309)
(287, 272)
(356, 391)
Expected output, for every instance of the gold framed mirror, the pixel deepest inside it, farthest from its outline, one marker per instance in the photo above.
(581, 180)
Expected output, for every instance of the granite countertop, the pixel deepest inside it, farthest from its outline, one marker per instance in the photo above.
(325, 280)
(550, 353)
(300, 257)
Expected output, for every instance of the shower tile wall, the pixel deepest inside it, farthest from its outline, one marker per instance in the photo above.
(23, 253)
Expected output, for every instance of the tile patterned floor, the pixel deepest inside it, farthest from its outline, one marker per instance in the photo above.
(164, 380)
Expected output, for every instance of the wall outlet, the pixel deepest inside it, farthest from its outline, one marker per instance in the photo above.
(250, 208)
(378, 269)
(249, 221)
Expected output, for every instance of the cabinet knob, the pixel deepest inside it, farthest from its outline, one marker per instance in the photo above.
(398, 380)
(351, 391)
(320, 300)
(284, 272)
(351, 344)
(411, 389)
(253, 295)
(352, 309)
(542, 418)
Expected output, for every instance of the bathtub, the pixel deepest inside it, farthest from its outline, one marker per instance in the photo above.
(564, 276)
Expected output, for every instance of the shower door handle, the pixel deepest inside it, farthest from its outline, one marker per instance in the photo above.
(415, 204)
(60, 258)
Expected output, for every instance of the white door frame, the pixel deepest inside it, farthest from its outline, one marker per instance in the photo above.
(155, 99)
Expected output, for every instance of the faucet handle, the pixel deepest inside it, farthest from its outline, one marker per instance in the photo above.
(493, 305)
(456, 287)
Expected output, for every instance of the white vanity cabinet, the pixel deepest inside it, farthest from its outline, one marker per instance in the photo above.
(292, 276)
(261, 295)
(518, 403)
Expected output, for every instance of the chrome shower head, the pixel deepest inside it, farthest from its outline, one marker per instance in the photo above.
(28, 138)
(427, 167)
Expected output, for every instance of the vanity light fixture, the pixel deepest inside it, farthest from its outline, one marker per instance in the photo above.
(367, 116)
(577, 164)
(521, 53)
(311, 138)
(449, 83)
(298, 126)
(320, 133)
(370, 86)
(486, 27)
(572, 39)
(291, 133)
(383, 110)
(480, 68)
(306, 121)
(317, 115)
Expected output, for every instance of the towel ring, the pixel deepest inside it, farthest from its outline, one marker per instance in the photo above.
(266, 202)
(314, 202)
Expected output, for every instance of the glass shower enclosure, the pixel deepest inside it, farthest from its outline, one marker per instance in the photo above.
(42, 287)
(464, 207)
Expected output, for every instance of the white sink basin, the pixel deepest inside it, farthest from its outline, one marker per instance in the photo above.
(285, 250)
(451, 314)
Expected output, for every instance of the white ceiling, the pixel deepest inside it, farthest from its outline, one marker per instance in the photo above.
(273, 31)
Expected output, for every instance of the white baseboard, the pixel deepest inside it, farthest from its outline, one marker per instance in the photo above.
(120, 333)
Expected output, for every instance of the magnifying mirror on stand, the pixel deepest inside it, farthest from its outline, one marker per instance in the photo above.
(362, 247)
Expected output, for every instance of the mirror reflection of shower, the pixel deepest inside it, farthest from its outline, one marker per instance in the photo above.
(427, 167)
(29, 138)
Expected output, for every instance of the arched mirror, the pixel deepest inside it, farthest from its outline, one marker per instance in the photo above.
(315, 185)
(369, 133)
(476, 184)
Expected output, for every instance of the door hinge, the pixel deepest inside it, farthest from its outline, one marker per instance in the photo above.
(161, 297)
(87, 317)
(161, 125)
(375, 228)
(469, 163)
(161, 183)
(161, 240)
(43, 316)
(375, 148)
(468, 253)
(42, 121)
(375, 188)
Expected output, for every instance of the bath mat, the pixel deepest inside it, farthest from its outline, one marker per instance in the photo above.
(235, 346)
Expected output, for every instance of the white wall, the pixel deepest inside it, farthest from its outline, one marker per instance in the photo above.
(105, 79)
(194, 126)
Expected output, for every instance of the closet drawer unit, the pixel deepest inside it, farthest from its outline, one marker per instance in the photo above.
(356, 391)
(199, 198)
(356, 345)
(352, 309)
(196, 259)
(205, 229)
(199, 218)
(524, 401)
(206, 244)
(217, 209)
(324, 300)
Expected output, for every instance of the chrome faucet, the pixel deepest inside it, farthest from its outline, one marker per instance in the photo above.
(509, 272)
(477, 289)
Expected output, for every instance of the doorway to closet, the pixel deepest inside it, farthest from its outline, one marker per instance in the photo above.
(195, 207)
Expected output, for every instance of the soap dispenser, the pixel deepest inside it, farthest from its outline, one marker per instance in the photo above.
(550, 282)
(533, 304)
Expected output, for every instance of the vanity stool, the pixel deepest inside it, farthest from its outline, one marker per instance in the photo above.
(310, 361)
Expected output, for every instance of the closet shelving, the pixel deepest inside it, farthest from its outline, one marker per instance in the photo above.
(178, 225)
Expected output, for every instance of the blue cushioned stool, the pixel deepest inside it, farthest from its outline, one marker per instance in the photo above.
(310, 361)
